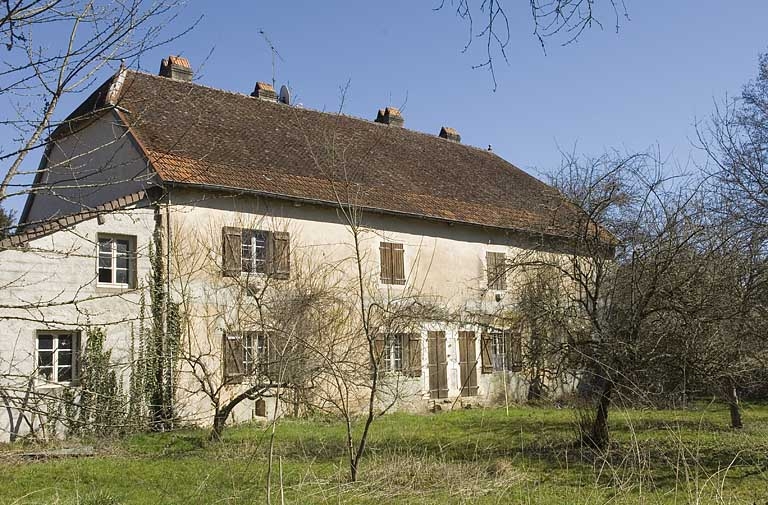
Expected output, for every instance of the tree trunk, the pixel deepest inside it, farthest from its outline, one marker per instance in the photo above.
(733, 405)
(535, 389)
(598, 435)
(219, 421)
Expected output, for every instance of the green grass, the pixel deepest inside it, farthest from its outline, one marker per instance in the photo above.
(468, 456)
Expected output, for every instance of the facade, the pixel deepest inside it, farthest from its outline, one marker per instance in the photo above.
(266, 227)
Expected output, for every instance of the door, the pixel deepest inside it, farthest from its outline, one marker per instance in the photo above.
(438, 365)
(468, 363)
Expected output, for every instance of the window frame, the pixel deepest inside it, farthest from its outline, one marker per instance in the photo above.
(114, 255)
(56, 351)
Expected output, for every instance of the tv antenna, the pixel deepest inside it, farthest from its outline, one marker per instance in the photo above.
(274, 54)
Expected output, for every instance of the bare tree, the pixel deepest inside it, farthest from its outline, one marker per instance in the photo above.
(562, 20)
(41, 70)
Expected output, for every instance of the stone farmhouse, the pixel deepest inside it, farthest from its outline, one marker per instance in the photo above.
(227, 203)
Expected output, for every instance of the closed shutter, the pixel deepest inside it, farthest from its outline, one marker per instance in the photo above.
(398, 264)
(232, 348)
(468, 363)
(385, 258)
(280, 260)
(232, 249)
(496, 270)
(412, 342)
(392, 259)
(485, 353)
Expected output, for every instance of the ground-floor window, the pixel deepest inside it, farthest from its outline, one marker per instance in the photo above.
(57, 357)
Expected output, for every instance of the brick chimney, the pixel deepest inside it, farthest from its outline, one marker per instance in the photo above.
(264, 91)
(176, 68)
(450, 134)
(390, 116)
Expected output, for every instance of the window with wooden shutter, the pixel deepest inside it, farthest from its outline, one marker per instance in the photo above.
(486, 343)
(256, 251)
(413, 341)
(392, 257)
(496, 269)
(231, 244)
(281, 255)
(234, 357)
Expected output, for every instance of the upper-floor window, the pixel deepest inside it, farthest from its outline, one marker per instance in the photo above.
(116, 260)
(496, 268)
(57, 357)
(392, 258)
(257, 251)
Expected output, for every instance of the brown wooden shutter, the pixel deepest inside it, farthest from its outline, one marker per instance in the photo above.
(378, 352)
(280, 259)
(398, 264)
(468, 363)
(496, 270)
(412, 342)
(233, 354)
(514, 346)
(232, 250)
(276, 356)
(385, 259)
(485, 353)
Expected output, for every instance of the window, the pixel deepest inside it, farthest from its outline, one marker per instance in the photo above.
(392, 263)
(393, 352)
(255, 251)
(399, 352)
(500, 351)
(57, 357)
(496, 269)
(116, 264)
(245, 354)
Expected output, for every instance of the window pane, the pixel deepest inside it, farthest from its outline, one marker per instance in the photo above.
(121, 246)
(105, 275)
(45, 373)
(65, 358)
(65, 374)
(65, 342)
(45, 342)
(105, 245)
(44, 358)
(122, 262)
(121, 276)
(105, 261)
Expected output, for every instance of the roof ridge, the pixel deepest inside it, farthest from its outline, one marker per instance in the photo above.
(318, 111)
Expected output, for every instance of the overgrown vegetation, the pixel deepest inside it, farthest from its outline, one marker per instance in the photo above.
(466, 456)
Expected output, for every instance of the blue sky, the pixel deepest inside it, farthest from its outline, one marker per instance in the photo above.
(643, 86)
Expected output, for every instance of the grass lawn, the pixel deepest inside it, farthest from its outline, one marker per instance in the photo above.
(468, 456)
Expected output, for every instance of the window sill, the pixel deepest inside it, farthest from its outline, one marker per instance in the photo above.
(113, 287)
(48, 385)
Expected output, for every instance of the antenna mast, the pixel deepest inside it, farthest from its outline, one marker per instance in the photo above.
(274, 53)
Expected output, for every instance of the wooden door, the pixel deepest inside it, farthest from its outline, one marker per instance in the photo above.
(438, 365)
(468, 363)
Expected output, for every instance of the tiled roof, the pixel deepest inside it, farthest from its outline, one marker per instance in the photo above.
(198, 135)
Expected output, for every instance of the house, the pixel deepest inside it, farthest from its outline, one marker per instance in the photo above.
(221, 198)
